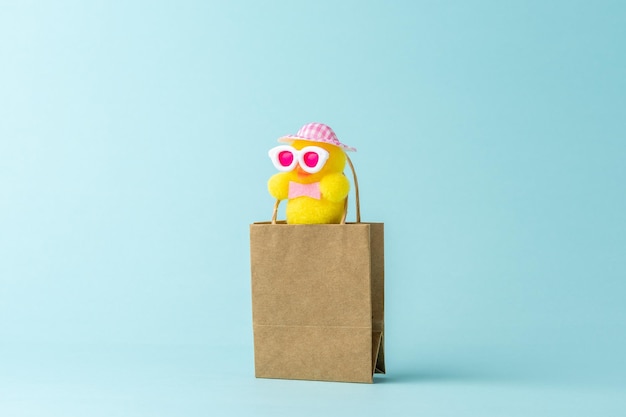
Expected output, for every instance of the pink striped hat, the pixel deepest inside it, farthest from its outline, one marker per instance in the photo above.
(317, 132)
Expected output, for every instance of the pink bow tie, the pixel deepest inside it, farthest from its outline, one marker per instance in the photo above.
(304, 190)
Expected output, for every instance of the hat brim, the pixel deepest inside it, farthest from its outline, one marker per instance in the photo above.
(291, 138)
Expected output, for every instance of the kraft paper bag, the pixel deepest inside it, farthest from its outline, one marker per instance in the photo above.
(318, 300)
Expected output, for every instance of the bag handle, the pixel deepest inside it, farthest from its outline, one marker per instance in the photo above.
(345, 209)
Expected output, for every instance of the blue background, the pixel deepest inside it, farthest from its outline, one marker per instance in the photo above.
(491, 141)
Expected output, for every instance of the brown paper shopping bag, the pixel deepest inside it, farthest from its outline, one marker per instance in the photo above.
(318, 300)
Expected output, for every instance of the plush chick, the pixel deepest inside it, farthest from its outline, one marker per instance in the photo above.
(312, 179)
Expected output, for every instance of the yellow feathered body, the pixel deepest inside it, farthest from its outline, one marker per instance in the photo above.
(333, 188)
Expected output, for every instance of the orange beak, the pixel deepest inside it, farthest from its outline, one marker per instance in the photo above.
(301, 172)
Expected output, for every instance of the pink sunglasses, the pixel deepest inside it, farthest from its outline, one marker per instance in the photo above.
(311, 158)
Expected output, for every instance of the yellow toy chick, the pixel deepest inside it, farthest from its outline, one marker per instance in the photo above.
(311, 176)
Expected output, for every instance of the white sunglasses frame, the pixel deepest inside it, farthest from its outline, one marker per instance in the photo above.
(298, 154)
